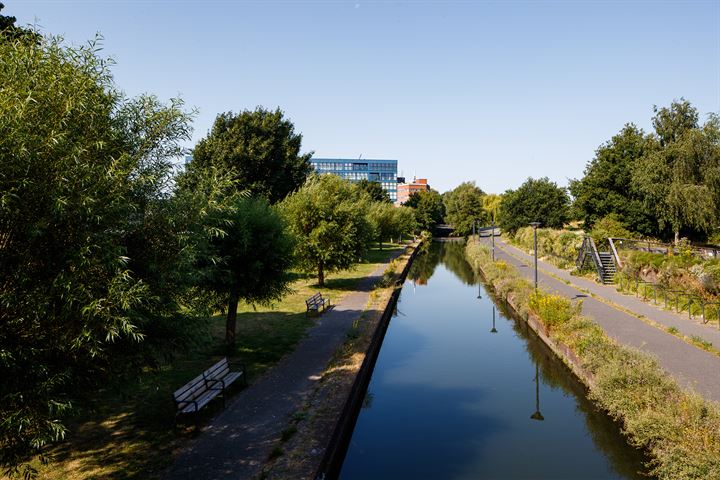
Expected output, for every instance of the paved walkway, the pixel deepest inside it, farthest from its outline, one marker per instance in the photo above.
(236, 443)
(689, 365)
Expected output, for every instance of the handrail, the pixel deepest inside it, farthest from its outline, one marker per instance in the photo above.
(588, 247)
(596, 257)
(703, 251)
(615, 253)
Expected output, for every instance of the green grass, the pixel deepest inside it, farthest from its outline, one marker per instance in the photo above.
(129, 430)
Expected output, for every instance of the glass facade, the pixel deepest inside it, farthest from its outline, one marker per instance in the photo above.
(382, 171)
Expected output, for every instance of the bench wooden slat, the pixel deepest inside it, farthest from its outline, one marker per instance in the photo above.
(199, 391)
(315, 302)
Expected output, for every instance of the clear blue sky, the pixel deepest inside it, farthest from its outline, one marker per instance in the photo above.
(455, 90)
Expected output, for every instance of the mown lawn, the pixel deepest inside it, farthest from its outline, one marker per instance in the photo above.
(130, 431)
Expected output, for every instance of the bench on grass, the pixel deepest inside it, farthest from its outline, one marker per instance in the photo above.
(199, 391)
(316, 302)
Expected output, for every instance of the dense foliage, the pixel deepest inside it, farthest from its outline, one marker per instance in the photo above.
(260, 147)
(83, 186)
(534, 201)
(390, 222)
(464, 208)
(663, 184)
(328, 216)
(374, 190)
(429, 208)
(607, 188)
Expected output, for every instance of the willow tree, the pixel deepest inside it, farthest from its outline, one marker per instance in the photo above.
(83, 168)
(328, 217)
(680, 180)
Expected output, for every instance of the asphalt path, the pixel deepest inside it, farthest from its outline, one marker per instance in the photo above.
(692, 367)
(236, 443)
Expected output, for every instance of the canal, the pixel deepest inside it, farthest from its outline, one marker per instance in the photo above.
(462, 390)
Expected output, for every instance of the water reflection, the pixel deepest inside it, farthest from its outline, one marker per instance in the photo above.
(450, 401)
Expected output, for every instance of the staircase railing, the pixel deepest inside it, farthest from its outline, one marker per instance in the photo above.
(588, 249)
(614, 251)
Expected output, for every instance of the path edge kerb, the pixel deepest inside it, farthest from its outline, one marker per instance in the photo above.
(334, 457)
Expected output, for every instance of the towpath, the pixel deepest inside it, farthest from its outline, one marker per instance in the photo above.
(691, 366)
(236, 443)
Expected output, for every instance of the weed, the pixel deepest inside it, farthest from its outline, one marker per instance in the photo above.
(276, 452)
(673, 330)
(288, 433)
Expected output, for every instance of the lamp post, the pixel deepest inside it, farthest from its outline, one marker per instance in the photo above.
(535, 225)
(537, 415)
(492, 234)
(493, 330)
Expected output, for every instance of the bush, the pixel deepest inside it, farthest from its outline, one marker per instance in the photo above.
(609, 226)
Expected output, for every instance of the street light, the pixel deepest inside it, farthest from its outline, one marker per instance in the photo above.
(492, 234)
(535, 225)
(537, 415)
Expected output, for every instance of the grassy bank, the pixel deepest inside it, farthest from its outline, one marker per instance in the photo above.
(129, 430)
(680, 430)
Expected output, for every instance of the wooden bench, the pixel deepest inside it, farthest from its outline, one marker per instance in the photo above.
(199, 391)
(315, 302)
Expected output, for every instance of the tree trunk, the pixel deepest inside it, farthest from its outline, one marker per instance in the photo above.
(231, 319)
(677, 237)
(321, 274)
(380, 244)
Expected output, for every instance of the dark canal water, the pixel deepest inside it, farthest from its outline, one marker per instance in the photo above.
(453, 398)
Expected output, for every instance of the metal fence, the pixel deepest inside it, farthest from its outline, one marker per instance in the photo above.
(679, 300)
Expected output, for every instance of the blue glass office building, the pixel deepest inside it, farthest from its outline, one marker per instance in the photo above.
(382, 171)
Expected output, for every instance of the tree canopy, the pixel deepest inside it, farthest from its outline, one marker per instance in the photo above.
(534, 201)
(374, 190)
(607, 188)
(464, 207)
(680, 181)
(429, 208)
(83, 173)
(262, 150)
(328, 217)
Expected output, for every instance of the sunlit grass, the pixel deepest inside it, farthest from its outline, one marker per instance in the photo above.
(130, 431)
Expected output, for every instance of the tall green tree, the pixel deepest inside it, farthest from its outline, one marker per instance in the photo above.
(680, 181)
(83, 168)
(534, 201)
(464, 207)
(672, 122)
(260, 147)
(607, 188)
(374, 190)
(328, 217)
(429, 208)
(249, 258)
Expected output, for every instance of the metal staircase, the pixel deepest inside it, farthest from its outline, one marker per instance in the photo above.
(604, 262)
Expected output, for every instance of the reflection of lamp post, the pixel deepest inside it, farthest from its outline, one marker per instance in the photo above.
(537, 415)
(535, 225)
(494, 330)
(479, 288)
